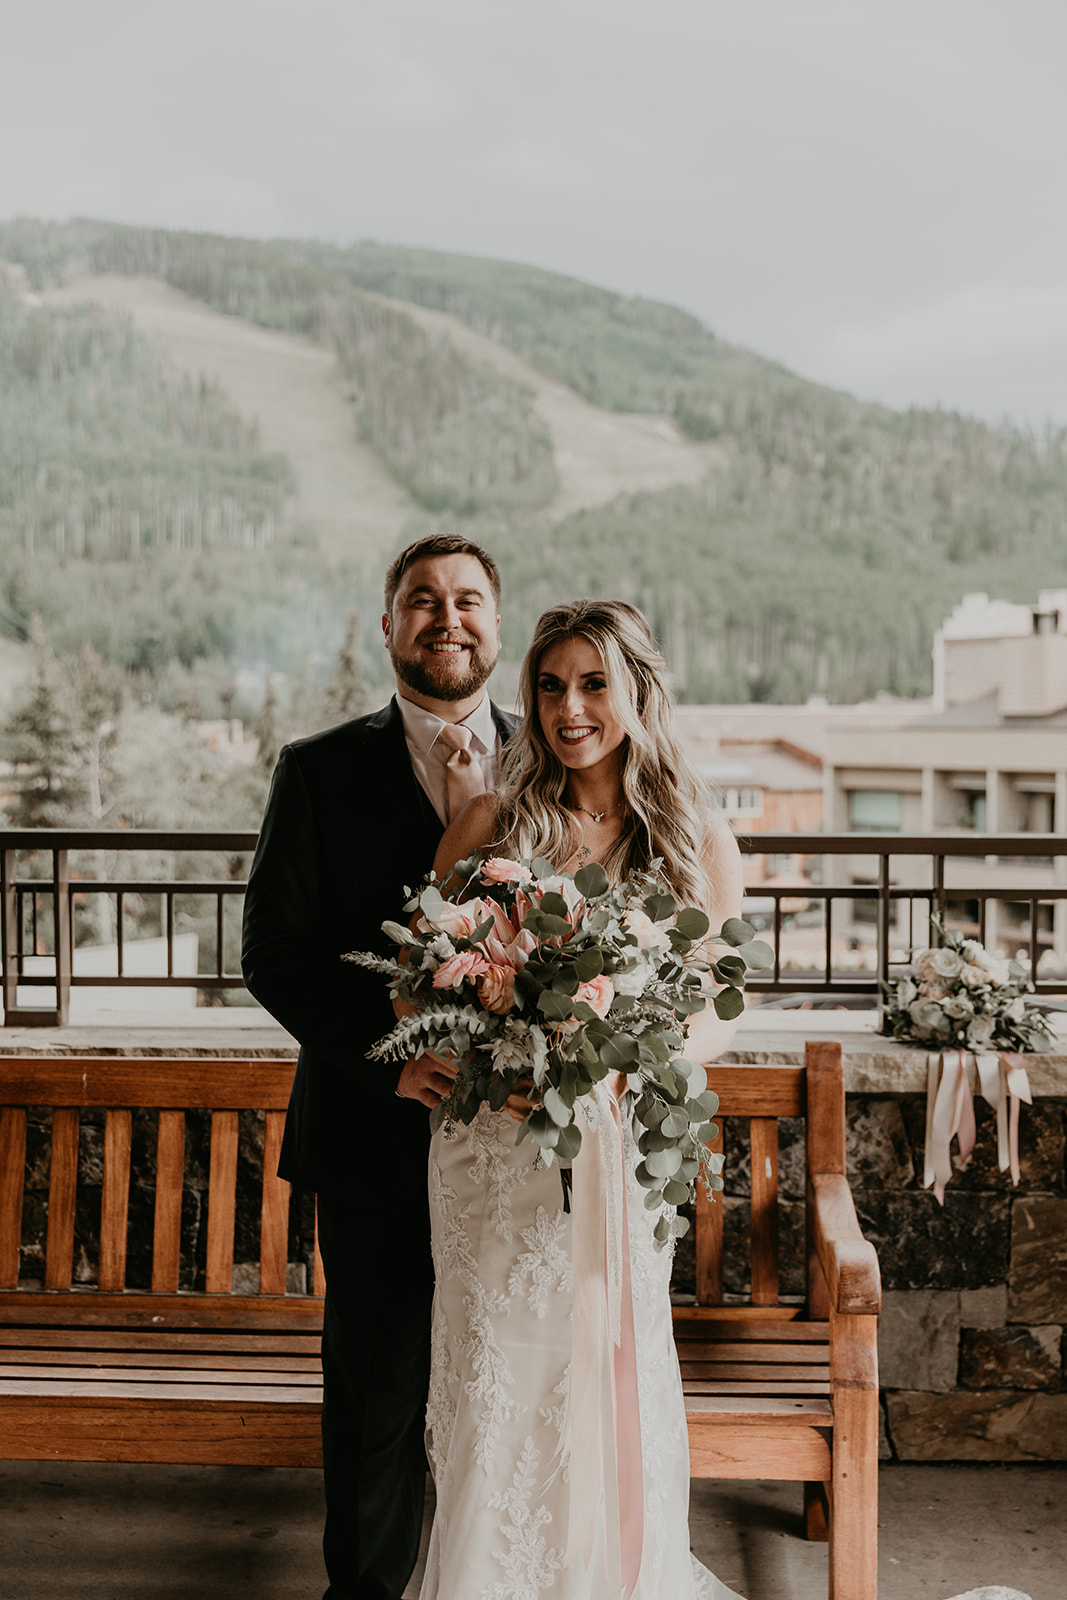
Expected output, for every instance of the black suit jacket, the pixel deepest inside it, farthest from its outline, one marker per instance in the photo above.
(347, 830)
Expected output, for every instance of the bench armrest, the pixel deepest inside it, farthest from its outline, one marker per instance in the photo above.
(849, 1263)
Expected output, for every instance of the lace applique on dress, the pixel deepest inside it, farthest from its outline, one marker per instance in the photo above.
(492, 1167)
(545, 1262)
(531, 1565)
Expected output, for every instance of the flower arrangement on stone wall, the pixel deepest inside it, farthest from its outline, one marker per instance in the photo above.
(956, 993)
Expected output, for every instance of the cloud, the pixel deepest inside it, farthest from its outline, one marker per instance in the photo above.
(996, 348)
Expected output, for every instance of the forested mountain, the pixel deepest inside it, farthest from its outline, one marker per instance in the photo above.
(827, 540)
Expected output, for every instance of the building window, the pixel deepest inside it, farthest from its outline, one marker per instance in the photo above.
(874, 810)
(742, 802)
(974, 815)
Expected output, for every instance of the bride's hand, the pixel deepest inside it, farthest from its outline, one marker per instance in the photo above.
(519, 1105)
(427, 1079)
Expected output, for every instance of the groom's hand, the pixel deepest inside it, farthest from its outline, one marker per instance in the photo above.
(426, 1079)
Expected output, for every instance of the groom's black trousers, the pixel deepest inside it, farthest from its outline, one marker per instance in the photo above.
(375, 1364)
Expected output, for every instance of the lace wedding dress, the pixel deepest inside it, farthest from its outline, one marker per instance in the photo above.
(542, 1487)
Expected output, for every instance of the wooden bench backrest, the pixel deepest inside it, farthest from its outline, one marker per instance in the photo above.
(119, 1086)
(762, 1095)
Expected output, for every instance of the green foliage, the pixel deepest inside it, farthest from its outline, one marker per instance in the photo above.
(458, 434)
(827, 542)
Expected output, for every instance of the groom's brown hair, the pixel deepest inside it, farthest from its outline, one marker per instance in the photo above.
(439, 544)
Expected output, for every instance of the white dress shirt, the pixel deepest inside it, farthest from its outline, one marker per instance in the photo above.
(428, 758)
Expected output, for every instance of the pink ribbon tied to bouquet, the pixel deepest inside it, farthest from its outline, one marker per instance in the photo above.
(1003, 1082)
(602, 1435)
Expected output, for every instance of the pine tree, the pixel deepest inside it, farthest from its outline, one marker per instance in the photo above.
(38, 741)
(265, 729)
(347, 695)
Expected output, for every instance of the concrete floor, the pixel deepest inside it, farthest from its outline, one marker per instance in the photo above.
(103, 1532)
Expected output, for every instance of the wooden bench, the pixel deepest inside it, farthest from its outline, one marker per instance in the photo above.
(779, 1390)
(100, 1372)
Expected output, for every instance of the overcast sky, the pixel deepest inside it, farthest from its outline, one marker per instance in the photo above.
(871, 191)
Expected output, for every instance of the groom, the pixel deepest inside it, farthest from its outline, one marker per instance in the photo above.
(353, 820)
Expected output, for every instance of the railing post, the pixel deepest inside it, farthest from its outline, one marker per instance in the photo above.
(884, 908)
(64, 931)
(9, 944)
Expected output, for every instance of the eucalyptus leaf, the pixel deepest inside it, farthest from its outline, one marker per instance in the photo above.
(588, 964)
(736, 932)
(542, 868)
(557, 1109)
(663, 1163)
(591, 880)
(553, 905)
(569, 1142)
(691, 923)
(398, 933)
(675, 1193)
(729, 1003)
(556, 1007)
(675, 1124)
(758, 955)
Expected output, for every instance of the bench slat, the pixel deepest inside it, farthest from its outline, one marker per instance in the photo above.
(185, 1360)
(740, 1450)
(167, 1229)
(115, 1199)
(125, 1082)
(88, 1338)
(12, 1167)
(62, 1194)
(752, 1091)
(763, 1133)
(14, 1377)
(755, 1371)
(706, 1327)
(137, 1309)
(90, 1388)
(757, 1410)
(197, 1433)
(773, 1354)
(222, 1202)
(274, 1216)
(759, 1386)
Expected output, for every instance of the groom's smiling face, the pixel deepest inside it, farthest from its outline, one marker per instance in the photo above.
(443, 634)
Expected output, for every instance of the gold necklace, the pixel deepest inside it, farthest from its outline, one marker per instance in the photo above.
(598, 816)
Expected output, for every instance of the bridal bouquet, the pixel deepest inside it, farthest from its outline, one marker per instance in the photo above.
(956, 993)
(547, 982)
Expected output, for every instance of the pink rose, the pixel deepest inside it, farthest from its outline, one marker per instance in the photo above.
(499, 869)
(466, 964)
(598, 993)
(457, 921)
(496, 989)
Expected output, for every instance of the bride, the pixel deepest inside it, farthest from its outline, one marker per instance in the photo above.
(549, 1482)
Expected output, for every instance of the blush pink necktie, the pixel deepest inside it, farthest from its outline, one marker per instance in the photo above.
(463, 774)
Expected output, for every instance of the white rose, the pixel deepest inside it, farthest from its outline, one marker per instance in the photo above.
(957, 1006)
(634, 979)
(973, 975)
(649, 935)
(980, 1032)
(928, 1018)
(946, 963)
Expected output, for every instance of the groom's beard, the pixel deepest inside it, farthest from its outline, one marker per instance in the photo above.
(439, 679)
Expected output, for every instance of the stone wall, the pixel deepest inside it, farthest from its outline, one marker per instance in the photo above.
(973, 1357)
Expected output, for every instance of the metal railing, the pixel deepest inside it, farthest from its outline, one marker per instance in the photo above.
(40, 909)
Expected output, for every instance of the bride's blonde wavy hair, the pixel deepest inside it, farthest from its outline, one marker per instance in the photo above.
(671, 813)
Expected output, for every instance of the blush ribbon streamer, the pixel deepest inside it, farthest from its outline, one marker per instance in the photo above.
(602, 1435)
(1003, 1083)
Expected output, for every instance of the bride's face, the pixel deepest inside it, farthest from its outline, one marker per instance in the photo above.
(574, 706)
